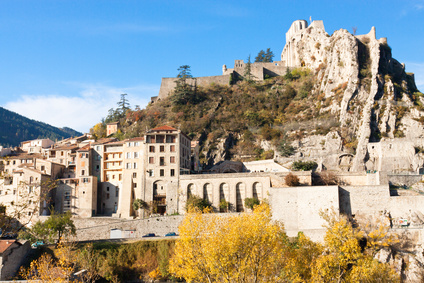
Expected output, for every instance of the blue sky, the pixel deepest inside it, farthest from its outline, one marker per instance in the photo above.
(66, 62)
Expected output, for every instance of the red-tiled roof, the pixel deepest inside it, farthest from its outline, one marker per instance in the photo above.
(164, 128)
(136, 139)
(5, 244)
(103, 141)
(84, 148)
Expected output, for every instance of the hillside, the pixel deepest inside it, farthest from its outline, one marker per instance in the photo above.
(347, 100)
(15, 128)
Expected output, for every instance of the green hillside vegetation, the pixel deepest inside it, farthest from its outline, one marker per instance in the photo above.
(278, 109)
(15, 128)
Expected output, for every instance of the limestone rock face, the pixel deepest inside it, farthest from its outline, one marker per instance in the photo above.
(376, 102)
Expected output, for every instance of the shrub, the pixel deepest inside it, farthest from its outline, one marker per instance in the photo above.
(304, 165)
(251, 202)
(292, 180)
(195, 202)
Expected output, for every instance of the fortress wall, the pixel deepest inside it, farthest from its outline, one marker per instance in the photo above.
(364, 199)
(406, 206)
(298, 208)
(97, 228)
(353, 179)
(404, 179)
(168, 84)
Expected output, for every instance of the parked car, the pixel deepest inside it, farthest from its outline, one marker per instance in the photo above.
(37, 244)
(171, 234)
(149, 235)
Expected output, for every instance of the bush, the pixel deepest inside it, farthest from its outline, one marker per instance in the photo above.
(251, 202)
(292, 180)
(304, 165)
(195, 202)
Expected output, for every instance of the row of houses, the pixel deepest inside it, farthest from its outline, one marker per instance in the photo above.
(105, 177)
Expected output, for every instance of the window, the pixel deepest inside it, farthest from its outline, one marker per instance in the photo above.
(97, 167)
(82, 172)
(152, 148)
(172, 172)
(162, 172)
(170, 139)
(151, 173)
(120, 177)
(98, 147)
(107, 179)
(107, 196)
(135, 165)
(162, 161)
(134, 175)
(42, 168)
(135, 185)
(14, 192)
(151, 160)
(135, 154)
(117, 192)
(136, 144)
(162, 148)
(172, 148)
(128, 155)
(113, 176)
(128, 166)
(172, 159)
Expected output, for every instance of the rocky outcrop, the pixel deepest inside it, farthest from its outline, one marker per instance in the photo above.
(372, 96)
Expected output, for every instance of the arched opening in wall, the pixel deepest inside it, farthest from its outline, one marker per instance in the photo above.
(224, 194)
(207, 192)
(257, 191)
(240, 196)
(191, 190)
(159, 198)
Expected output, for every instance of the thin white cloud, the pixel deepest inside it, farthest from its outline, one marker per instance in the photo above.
(418, 70)
(83, 111)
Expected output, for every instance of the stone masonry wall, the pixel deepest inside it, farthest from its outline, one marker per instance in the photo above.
(97, 228)
(168, 84)
(298, 208)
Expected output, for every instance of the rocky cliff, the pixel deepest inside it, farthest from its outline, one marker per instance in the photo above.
(375, 101)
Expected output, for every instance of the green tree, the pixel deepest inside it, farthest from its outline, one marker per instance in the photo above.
(304, 165)
(195, 202)
(251, 202)
(248, 70)
(264, 56)
(54, 228)
(123, 105)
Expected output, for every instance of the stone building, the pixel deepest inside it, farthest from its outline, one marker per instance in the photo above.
(12, 255)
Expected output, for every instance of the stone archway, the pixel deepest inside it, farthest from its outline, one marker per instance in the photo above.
(257, 190)
(207, 192)
(159, 197)
(240, 196)
(191, 190)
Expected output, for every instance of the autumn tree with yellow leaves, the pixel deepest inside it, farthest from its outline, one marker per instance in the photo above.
(245, 248)
(252, 248)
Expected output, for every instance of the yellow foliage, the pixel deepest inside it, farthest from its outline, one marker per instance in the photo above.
(240, 248)
(45, 269)
(155, 274)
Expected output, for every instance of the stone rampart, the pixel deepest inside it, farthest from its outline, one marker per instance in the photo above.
(168, 84)
(366, 200)
(97, 228)
(404, 179)
(298, 208)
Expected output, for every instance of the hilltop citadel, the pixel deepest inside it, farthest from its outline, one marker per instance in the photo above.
(99, 180)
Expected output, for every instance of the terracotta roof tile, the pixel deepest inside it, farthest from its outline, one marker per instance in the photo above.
(164, 128)
(136, 139)
(5, 244)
